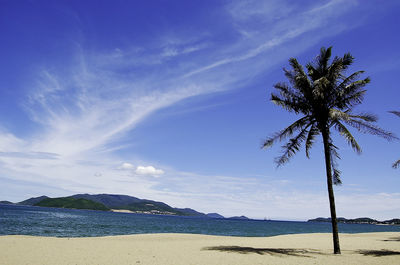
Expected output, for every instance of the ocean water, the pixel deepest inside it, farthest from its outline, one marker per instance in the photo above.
(42, 221)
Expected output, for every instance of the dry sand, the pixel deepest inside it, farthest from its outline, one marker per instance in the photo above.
(185, 249)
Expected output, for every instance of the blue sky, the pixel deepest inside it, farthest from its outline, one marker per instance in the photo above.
(169, 100)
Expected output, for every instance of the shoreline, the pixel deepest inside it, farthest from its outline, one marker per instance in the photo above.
(175, 249)
(197, 234)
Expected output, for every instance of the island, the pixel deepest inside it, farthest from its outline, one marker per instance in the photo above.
(6, 202)
(115, 203)
(239, 218)
(361, 220)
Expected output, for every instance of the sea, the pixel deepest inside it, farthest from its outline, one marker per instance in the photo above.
(57, 222)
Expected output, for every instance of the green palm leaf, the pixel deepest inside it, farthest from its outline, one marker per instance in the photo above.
(310, 139)
(395, 113)
(397, 163)
(287, 132)
(292, 147)
(347, 135)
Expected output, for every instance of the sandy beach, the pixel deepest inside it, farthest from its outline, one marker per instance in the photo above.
(185, 249)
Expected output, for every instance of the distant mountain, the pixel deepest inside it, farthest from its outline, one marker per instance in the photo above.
(190, 212)
(395, 221)
(73, 203)
(214, 215)
(33, 201)
(125, 202)
(362, 220)
(6, 202)
(239, 218)
(110, 200)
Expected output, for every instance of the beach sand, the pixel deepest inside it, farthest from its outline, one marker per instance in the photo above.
(186, 249)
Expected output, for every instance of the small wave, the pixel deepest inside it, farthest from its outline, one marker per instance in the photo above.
(56, 214)
(65, 215)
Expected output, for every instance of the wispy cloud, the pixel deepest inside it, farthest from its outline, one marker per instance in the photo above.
(289, 24)
(31, 155)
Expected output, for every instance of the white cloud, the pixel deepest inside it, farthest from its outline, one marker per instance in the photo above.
(141, 170)
(149, 170)
(127, 166)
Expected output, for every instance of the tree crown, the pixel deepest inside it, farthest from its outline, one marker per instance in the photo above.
(326, 97)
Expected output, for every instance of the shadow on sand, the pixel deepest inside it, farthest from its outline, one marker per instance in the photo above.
(378, 253)
(263, 251)
(392, 239)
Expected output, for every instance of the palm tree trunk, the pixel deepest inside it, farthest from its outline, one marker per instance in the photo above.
(325, 136)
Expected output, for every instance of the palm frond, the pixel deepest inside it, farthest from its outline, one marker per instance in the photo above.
(395, 112)
(347, 60)
(297, 68)
(335, 69)
(319, 66)
(366, 127)
(299, 80)
(333, 151)
(311, 71)
(336, 175)
(310, 139)
(348, 80)
(323, 58)
(287, 92)
(297, 105)
(362, 122)
(292, 147)
(287, 104)
(396, 164)
(356, 85)
(347, 135)
(368, 117)
(290, 74)
(287, 132)
(352, 94)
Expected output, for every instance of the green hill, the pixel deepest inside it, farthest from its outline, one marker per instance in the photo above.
(73, 203)
(124, 202)
(33, 201)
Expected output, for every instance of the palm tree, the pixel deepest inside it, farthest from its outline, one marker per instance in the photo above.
(397, 163)
(325, 97)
